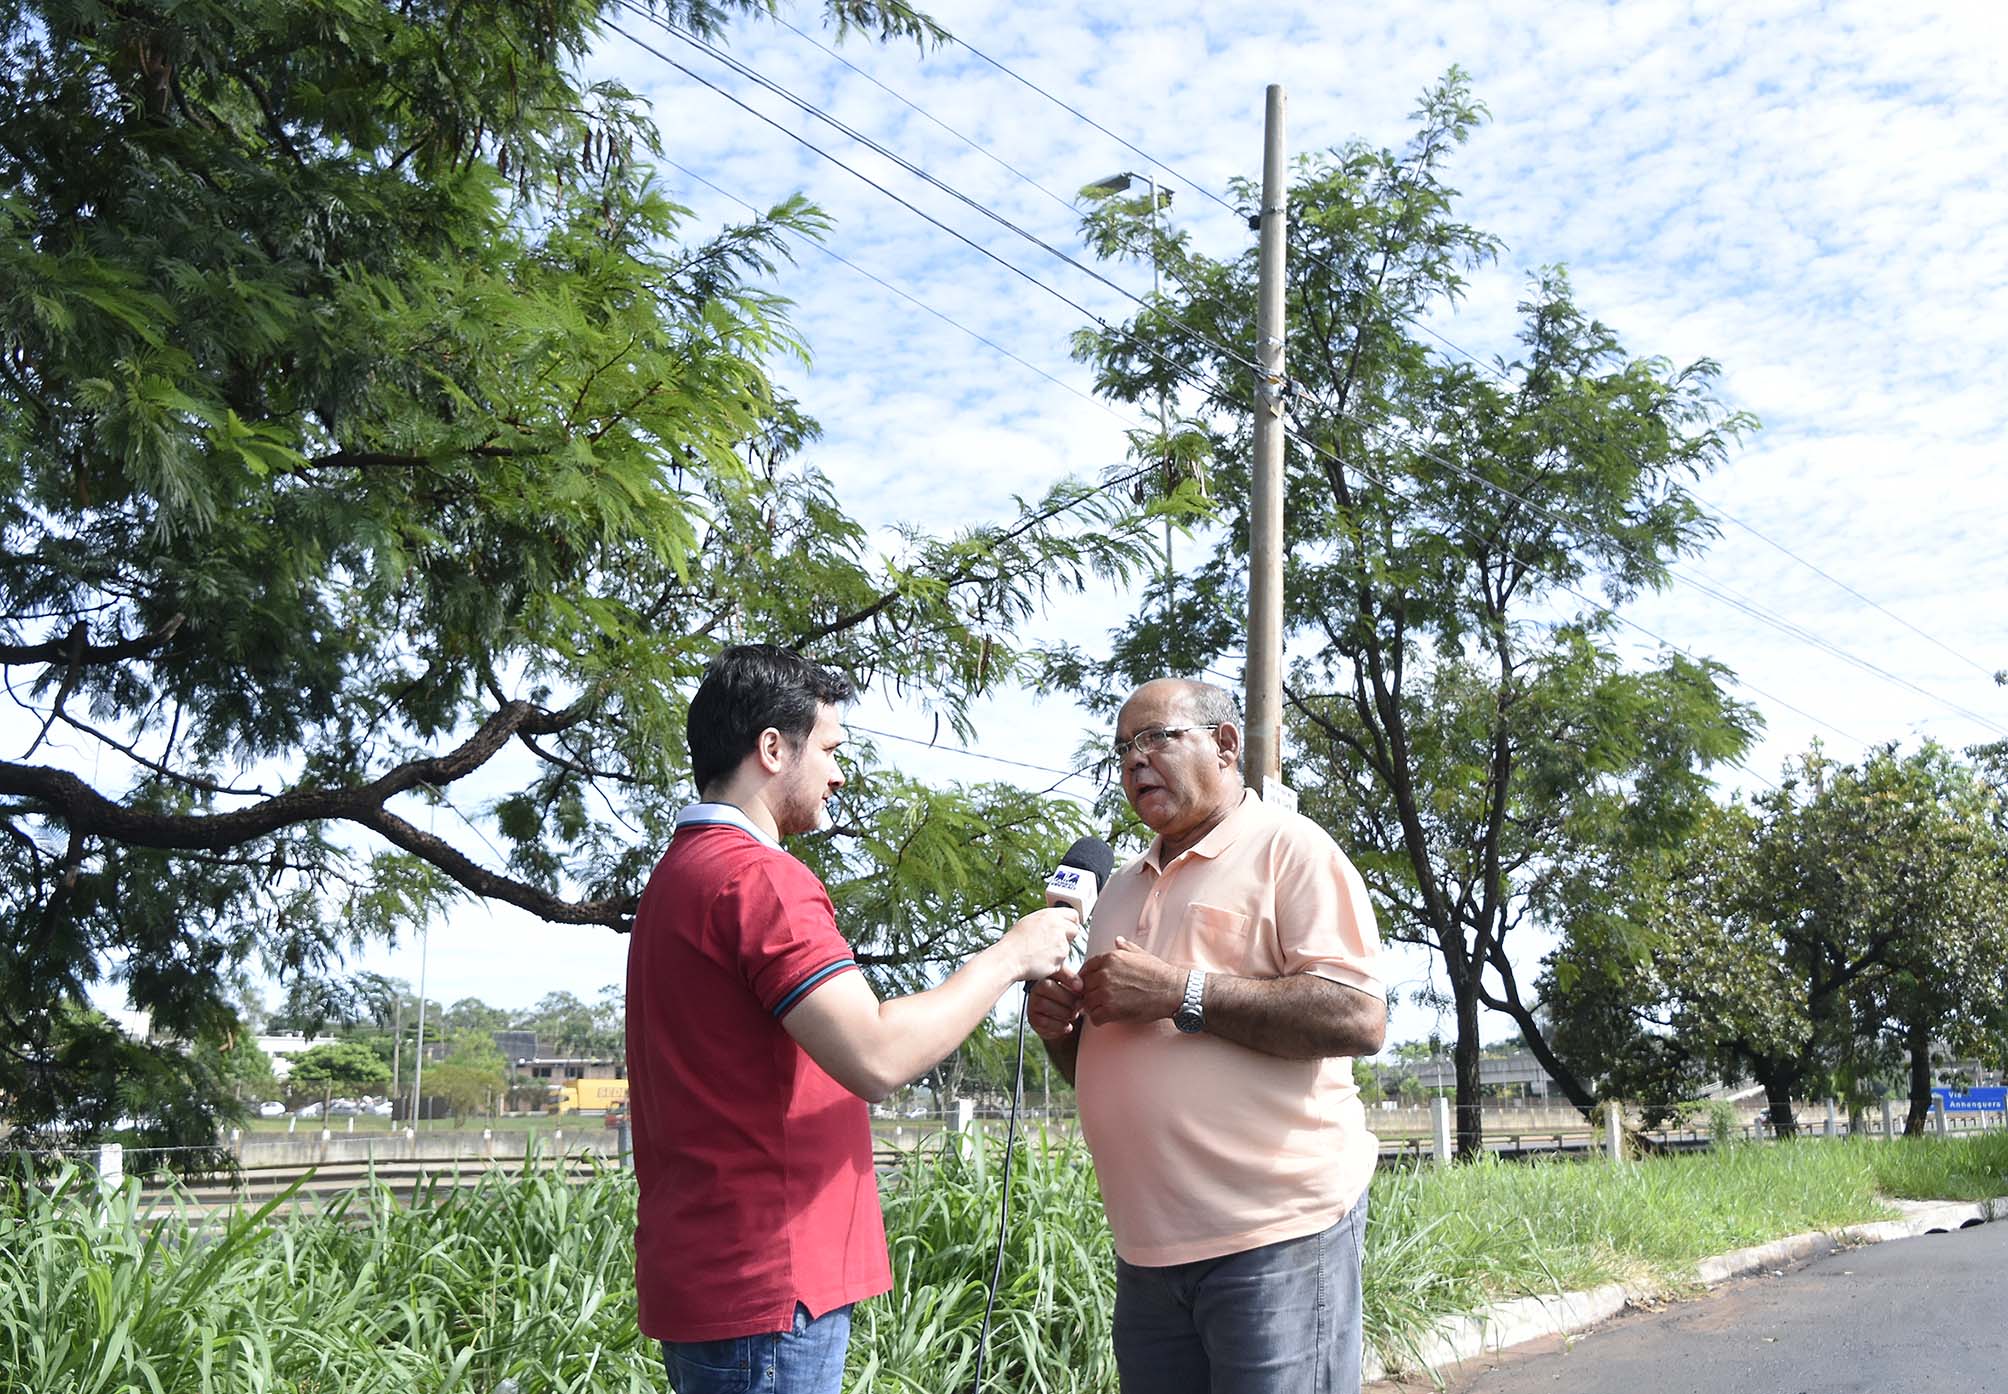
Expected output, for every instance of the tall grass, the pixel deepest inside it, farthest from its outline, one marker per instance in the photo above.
(528, 1283)
(1051, 1329)
(528, 1279)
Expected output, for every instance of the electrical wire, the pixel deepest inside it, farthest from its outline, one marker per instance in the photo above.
(925, 114)
(1596, 605)
(972, 752)
(879, 148)
(1717, 511)
(1100, 402)
(1184, 375)
(1722, 594)
(1080, 115)
(1726, 596)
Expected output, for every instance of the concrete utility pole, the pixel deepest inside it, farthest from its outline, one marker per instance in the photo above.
(418, 1052)
(1264, 760)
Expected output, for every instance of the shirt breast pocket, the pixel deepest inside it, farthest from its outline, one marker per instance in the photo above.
(1212, 938)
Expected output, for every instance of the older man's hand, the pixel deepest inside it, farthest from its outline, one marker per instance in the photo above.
(1130, 984)
(1055, 1006)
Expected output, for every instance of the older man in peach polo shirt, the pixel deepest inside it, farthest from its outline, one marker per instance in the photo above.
(1233, 970)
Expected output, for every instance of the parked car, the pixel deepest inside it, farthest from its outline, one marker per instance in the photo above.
(308, 1111)
(271, 1108)
(380, 1109)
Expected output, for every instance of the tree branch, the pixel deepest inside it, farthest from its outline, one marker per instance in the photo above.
(71, 648)
(88, 812)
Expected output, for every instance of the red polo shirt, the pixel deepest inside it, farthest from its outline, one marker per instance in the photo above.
(757, 1187)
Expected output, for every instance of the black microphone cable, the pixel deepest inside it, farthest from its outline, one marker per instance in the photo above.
(1077, 883)
(1004, 1205)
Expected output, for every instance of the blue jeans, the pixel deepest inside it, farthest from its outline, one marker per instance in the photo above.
(1281, 1319)
(806, 1360)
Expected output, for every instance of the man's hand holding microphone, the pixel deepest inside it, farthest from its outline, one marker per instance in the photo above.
(1054, 1006)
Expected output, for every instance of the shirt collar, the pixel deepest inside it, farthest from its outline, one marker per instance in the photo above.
(714, 814)
(1217, 840)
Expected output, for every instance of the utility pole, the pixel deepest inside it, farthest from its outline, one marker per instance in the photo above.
(1263, 762)
(1163, 432)
(418, 1053)
(396, 1055)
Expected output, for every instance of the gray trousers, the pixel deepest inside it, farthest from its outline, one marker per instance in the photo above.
(1281, 1319)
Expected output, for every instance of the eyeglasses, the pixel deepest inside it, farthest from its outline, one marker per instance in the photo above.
(1152, 739)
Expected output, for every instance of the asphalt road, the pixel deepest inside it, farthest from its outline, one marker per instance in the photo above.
(1928, 1314)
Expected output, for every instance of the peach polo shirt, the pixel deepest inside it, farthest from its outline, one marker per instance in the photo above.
(1204, 1147)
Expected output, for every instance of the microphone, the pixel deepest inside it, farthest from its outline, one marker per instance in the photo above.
(1078, 880)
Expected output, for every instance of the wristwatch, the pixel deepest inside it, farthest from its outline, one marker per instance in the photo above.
(1191, 1014)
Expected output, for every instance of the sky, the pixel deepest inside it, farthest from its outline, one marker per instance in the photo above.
(1805, 193)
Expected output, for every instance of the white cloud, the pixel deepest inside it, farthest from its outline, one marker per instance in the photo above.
(1807, 193)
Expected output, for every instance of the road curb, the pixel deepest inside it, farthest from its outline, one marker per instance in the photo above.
(1506, 1324)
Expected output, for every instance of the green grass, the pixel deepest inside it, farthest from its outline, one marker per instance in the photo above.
(532, 1280)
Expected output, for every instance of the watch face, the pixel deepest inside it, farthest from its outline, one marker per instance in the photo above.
(1187, 1019)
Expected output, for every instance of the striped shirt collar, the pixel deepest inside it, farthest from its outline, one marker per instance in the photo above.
(731, 815)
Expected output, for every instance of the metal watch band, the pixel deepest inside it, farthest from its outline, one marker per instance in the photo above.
(1192, 1011)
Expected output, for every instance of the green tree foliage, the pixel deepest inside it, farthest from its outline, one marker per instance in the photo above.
(382, 450)
(472, 1014)
(470, 1078)
(1823, 936)
(567, 1025)
(336, 1065)
(1466, 726)
(246, 1069)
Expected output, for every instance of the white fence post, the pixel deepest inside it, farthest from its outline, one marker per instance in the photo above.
(1439, 1112)
(111, 1165)
(1831, 1120)
(965, 1116)
(1939, 1122)
(1889, 1120)
(1614, 1129)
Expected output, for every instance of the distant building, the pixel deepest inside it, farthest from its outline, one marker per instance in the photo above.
(281, 1049)
(515, 1045)
(1503, 1076)
(558, 1069)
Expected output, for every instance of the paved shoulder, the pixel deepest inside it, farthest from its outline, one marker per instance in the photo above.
(1923, 1315)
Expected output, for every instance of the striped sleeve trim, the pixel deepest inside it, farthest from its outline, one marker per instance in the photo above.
(810, 983)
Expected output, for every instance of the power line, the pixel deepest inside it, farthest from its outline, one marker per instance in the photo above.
(1733, 599)
(915, 107)
(1080, 115)
(1181, 373)
(1078, 773)
(879, 148)
(910, 298)
(1718, 511)
(1748, 607)
(1292, 433)
(1064, 202)
(918, 212)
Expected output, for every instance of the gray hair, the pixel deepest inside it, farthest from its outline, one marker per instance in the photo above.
(1211, 705)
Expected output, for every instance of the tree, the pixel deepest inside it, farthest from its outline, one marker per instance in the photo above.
(470, 1077)
(348, 1065)
(472, 1014)
(371, 421)
(245, 1068)
(1833, 929)
(1465, 726)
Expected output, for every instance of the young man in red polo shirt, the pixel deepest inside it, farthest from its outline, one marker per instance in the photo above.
(753, 1045)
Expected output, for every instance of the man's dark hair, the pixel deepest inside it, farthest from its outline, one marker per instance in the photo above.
(748, 688)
